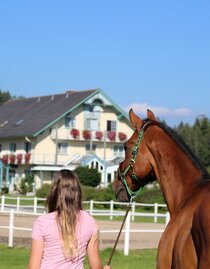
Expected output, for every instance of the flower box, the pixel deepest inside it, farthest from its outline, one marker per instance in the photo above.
(75, 133)
(98, 135)
(12, 158)
(19, 158)
(86, 134)
(111, 135)
(122, 136)
(5, 159)
(27, 157)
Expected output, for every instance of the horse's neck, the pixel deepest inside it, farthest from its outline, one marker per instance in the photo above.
(176, 174)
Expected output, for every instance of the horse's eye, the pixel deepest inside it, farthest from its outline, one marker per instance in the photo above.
(125, 147)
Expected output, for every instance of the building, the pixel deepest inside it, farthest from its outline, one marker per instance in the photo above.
(47, 133)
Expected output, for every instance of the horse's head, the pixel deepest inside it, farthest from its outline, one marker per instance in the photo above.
(136, 170)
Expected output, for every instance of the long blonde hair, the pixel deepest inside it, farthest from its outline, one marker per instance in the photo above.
(66, 198)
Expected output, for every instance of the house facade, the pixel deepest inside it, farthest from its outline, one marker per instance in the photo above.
(47, 133)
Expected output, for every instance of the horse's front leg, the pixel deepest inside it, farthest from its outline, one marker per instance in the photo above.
(165, 249)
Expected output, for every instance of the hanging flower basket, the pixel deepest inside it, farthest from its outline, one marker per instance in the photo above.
(98, 135)
(111, 135)
(86, 134)
(5, 159)
(27, 157)
(75, 133)
(12, 158)
(122, 136)
(19, 158)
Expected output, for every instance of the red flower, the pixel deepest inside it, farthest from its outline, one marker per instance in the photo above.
(74, 132)
(98, 135)
(86, 134)
(12, 158)
(122, 136)
(27, 157)
(19, 158)
(111, 135)
(5, 158)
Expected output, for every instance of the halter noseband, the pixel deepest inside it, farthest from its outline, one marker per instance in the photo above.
(133, 176)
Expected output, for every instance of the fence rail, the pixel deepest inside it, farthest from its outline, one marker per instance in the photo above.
(91, 207)
(17, 209)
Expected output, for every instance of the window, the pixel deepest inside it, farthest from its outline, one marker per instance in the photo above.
(12, 147)
(27, 147)
(62, 148)
(70, 122)
(111, 125)
(118, 150)
(91, 124)
(88, 149)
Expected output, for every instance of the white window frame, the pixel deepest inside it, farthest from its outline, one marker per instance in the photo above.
(62, 148)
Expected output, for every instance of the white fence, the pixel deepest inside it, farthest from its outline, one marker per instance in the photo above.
(89, 206)
(18, 209)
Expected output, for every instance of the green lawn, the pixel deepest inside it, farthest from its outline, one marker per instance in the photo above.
(17, 258)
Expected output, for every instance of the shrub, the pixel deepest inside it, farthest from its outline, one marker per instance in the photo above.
(4, 190)
(89, 177)
(43, 191)
(26, 184)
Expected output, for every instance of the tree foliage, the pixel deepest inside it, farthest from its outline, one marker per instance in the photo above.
(197, 137)
(4, 96)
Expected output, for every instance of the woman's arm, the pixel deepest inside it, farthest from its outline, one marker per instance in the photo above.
(94, 254)
(36, 254)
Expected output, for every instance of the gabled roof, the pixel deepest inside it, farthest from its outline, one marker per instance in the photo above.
(87, 159)
(31, 116)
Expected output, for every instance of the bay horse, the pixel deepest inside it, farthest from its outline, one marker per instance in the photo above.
(156, 152)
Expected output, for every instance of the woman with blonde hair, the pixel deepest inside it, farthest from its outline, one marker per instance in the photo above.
(62, 237)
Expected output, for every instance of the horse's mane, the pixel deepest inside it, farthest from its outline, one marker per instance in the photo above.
(181, 143)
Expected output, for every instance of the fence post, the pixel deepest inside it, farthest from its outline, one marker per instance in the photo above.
(91, 207)
(35, 204)
(11, 228)
(18, 204)
(2, 202)
(127, 234)
(155, 212)
(133, 210)
(111, 209)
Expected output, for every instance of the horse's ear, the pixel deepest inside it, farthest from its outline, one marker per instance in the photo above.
(135, 120)
(150, 115)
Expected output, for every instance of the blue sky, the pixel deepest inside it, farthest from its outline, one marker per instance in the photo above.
(142, 54)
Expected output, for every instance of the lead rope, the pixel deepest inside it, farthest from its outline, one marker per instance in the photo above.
(115, 245)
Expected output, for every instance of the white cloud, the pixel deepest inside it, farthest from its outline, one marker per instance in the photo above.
(160, 111)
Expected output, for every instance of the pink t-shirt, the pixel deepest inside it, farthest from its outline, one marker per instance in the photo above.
(45, 229)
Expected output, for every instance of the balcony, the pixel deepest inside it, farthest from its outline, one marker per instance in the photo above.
(16, 159)
(86, 135)
(36, 159)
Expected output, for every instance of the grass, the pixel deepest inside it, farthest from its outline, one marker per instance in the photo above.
(13, 258)
(17, 258)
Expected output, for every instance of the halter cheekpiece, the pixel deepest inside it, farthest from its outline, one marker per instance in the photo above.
(133, 176)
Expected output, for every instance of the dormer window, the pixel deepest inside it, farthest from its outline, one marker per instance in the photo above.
(70, 122)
